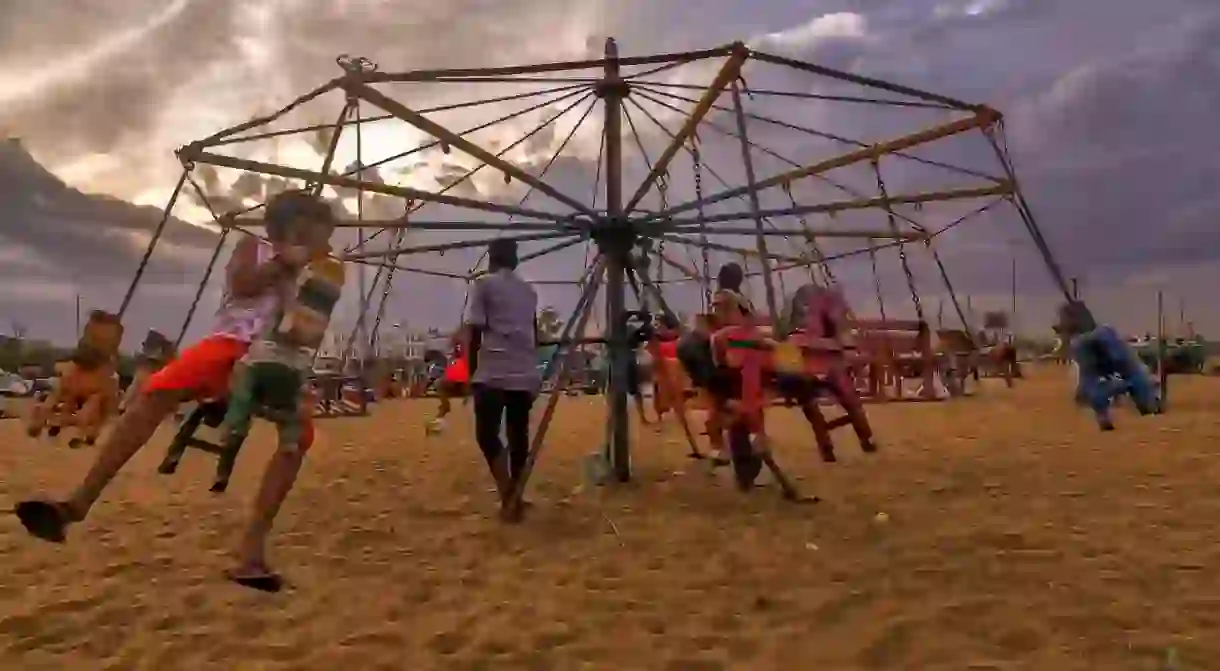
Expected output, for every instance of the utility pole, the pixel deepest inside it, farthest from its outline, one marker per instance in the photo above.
(78, 315)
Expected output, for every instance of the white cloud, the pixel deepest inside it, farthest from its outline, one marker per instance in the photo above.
(819, 29)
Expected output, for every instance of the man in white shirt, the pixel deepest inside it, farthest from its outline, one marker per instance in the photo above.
(505, 378)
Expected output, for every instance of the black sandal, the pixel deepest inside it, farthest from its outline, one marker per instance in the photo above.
(258, 578)
(45, 520)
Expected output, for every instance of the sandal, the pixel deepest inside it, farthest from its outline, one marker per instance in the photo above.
(45, 520)
(259, 578)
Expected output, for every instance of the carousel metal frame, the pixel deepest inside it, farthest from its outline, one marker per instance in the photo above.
(625, 236)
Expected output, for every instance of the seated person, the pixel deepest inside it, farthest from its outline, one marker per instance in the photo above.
(257, 279)
(1106, 366)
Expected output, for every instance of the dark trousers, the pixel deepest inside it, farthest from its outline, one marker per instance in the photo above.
(512, 407)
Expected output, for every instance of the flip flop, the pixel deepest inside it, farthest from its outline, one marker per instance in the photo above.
(262, 579)
(44, 520)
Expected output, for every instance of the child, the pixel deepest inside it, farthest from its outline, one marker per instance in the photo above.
(273, 378)
(455, 381)
(258, 278)
(1107, 367)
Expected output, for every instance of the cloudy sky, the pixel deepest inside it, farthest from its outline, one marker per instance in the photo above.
(1109, 107)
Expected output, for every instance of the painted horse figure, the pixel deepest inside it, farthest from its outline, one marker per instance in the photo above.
(821, 328)
(85, 390)
(1107, 366)
(738, 362)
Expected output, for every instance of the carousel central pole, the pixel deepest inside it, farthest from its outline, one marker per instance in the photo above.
(616, 243)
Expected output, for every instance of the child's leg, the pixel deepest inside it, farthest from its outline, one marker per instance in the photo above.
(443, 390)
(240, 413)
(202, 369)
(278, 479)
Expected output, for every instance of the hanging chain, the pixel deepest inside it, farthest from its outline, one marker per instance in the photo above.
(697, 160)
(828, 275)
(872, 257)
(388, 283)
(902, 251)
(663, 193)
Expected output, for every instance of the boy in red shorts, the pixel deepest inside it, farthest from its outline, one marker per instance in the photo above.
(258, 279)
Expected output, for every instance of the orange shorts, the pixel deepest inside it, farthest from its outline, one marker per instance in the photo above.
(201, 370)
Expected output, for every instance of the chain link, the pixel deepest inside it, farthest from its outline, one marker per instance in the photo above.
(697, 160)
(828, 276)
(902, 251)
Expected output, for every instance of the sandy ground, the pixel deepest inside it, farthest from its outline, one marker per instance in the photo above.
(1015, 537)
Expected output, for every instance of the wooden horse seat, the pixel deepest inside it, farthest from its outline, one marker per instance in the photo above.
(211, 413)
(892, 351)
(962, 356)
(756, 359)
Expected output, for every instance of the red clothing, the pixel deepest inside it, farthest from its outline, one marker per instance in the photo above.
(458, 371)
(667, 349)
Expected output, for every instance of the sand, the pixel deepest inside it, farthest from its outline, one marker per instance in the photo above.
(1014, 536)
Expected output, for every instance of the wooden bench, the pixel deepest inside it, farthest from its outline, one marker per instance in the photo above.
(890, 352)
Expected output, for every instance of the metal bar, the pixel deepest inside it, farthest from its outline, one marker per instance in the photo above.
(868, 233)
(555, 367)
(432, 75)
(738, 251)
(688, 272)
(845, 205)
(519, 141)
(866, 81)
(458, 244)
(329, 159)
(1027, 218)
(203, 284)
(769, 152)
(152, 242)
(541, 174)
(403, 222)
(823, 134)
(979, 120)
(698, 168)
(729, 73)
(385, 117)
(533, 255)
(207, 274)
(191, 153)
(760, 239)
(447, 136)
(806, 96)
(423, 147)
(264, 120)
(409, 269)
(618, 443)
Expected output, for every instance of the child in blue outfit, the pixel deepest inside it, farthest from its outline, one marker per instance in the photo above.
(1107, 366)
